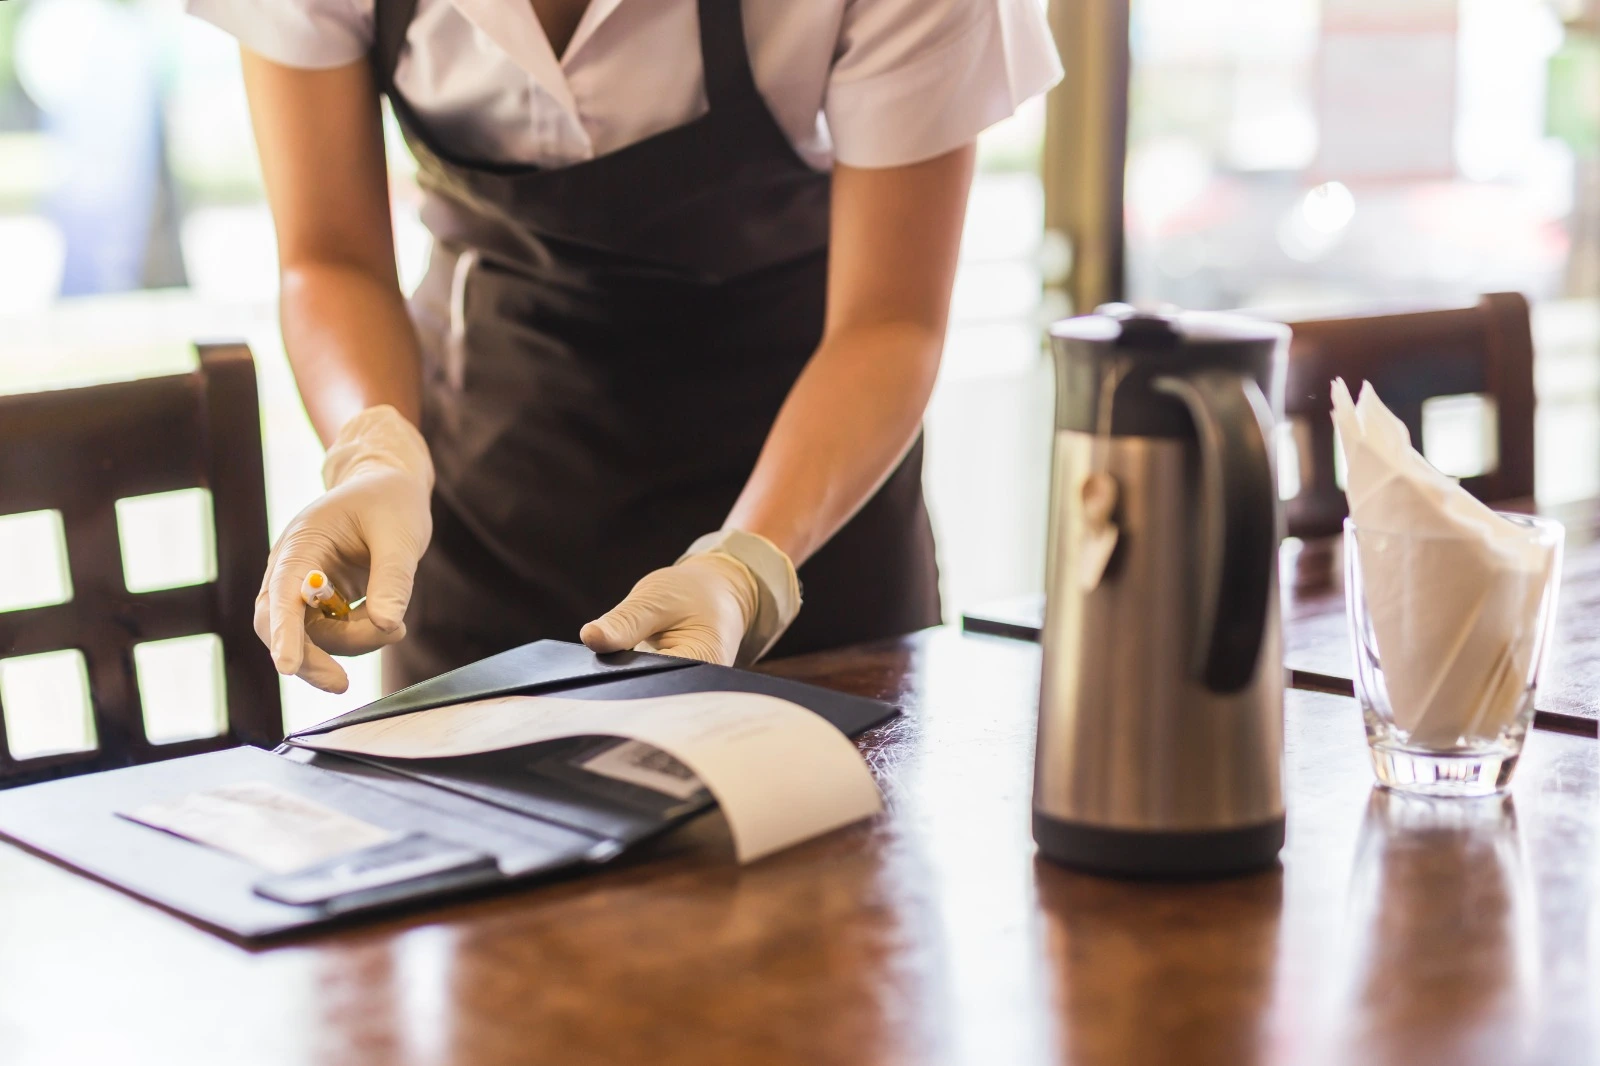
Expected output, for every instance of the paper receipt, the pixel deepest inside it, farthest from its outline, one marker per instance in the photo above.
(645, 766)
(780, 773)
(262, 824)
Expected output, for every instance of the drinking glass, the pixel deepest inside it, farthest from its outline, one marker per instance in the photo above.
(1449, 635)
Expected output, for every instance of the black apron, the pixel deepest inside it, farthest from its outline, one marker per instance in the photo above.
(605, 347)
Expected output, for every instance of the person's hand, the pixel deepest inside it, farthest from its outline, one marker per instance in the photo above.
(726, 601)
(366, 533)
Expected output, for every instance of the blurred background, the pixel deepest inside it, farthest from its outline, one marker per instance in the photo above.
(1302, 156)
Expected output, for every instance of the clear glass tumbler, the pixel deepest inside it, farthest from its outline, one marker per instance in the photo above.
(1449, 635)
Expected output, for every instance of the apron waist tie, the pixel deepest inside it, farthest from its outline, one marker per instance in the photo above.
(455, 367)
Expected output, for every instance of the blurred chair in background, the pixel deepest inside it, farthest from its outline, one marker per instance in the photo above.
(1482, 354)
(130, 639)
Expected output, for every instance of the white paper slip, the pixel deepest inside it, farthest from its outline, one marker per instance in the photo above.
(645, 766)
(781, 773)
(262, 824)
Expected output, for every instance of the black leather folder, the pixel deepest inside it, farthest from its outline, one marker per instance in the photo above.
(464, 822)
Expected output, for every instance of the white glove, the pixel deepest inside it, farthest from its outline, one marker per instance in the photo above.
(727, 601)
(366, 533)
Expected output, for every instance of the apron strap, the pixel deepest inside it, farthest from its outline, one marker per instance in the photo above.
(723, 53)
(391, 19)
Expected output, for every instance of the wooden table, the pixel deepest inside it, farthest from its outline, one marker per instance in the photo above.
(1396, 931)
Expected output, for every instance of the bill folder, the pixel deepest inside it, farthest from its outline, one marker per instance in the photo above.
(454, 824)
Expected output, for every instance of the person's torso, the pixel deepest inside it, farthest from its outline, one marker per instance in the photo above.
(669, 286)
(622, 331)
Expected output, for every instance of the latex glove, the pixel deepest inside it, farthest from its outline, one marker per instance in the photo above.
(366, 533)
(726, 601)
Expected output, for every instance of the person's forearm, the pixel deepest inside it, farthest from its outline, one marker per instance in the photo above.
(846, 424)
(857, 406)
(345, 326)
(350, 342)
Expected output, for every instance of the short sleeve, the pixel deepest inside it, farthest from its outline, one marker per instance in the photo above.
(312, 34)
(913, 79)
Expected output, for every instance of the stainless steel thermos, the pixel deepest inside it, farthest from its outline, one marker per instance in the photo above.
(1160, 741)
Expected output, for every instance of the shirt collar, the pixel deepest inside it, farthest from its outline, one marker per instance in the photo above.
(593, 16)
(515, 29)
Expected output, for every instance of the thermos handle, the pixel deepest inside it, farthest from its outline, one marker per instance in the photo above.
(1238, 514)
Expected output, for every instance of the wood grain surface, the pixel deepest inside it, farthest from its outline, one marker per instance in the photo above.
(1396, 931)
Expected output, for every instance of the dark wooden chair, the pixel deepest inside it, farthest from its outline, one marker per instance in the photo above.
(78, 451)
(1485, 349)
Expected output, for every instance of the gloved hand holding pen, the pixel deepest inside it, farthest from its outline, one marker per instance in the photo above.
(366, 532)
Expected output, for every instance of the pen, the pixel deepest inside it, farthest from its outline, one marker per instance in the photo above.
(319, 592)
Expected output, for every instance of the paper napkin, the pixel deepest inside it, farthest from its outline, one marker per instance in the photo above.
(1453, 589)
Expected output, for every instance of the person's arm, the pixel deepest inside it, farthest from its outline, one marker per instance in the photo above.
(355, 357)
(345, 326)
(843, 428)
(859, 403)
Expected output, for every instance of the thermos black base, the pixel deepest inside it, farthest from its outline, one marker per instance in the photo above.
(1135, 853)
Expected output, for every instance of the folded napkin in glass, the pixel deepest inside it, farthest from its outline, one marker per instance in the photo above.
(1457, 598)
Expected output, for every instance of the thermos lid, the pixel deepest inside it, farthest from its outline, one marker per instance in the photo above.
(1127, 349)
(1122, 326)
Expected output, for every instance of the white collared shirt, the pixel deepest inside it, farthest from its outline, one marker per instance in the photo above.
(870, 83)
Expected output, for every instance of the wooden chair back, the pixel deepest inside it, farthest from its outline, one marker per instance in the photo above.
(1485, 349)
(77, 452)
